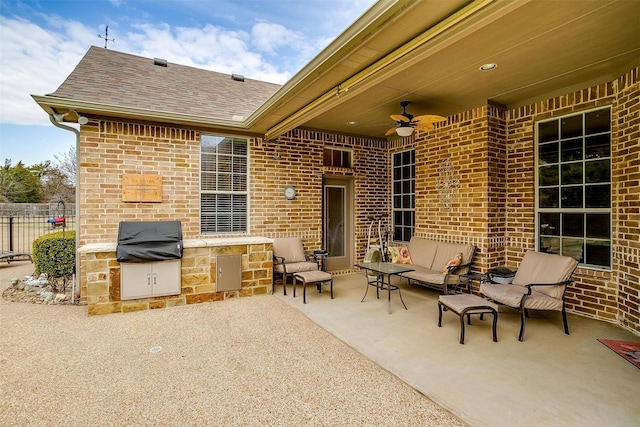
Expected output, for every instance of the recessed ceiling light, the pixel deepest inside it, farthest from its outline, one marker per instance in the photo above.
(352, 123)
(488, 67)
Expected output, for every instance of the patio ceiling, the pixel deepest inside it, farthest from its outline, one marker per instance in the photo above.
(429, 52)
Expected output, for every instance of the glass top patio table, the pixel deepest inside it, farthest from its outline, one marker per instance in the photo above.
(383, 269)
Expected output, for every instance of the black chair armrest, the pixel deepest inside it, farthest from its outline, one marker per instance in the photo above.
(530, 285)
(453, 268)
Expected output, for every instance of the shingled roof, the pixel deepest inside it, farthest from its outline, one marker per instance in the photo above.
(108, 77)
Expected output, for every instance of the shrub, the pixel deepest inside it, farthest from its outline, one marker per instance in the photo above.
(55, 254)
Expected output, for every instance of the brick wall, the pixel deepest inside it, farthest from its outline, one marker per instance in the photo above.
(626, 180)
(296, 159)
(491, 153)
(611, 296)
(464, 141)
(108, 150)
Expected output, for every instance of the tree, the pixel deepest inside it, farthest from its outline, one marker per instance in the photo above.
(41, 183)
(67, 164)
(19, 184)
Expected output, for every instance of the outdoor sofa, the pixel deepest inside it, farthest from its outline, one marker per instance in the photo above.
(438, 264)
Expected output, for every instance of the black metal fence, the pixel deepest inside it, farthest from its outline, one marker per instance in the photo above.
(22, 223)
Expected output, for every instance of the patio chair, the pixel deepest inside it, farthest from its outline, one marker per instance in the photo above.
(289, 257)
(539, 284)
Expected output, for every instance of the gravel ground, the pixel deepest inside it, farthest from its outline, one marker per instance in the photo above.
(244, 362)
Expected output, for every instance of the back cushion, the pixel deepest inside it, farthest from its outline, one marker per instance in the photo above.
(446, 252)
(540, 267)
(290, 248)
(422, 251)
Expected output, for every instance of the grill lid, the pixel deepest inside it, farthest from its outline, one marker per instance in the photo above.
(144, 241)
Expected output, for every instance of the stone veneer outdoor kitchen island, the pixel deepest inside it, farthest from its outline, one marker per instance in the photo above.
(101, 278)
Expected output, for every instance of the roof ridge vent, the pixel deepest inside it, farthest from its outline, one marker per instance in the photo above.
(160, 62)
(237, 77)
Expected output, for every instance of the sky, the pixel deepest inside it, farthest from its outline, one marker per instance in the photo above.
(42, 41)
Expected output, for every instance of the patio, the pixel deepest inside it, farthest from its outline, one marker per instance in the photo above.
(549, 379)
(63, 366)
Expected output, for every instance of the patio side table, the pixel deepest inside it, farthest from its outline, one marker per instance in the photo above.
(472, 276)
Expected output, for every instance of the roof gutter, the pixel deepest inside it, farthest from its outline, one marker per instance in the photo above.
(75, 292)
(48, 103)
(347, 41)
(331, 98)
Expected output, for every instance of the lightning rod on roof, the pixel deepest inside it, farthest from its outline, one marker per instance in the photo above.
(106, 37)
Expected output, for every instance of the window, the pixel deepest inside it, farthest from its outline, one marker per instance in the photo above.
(574, 187)
(332, 157)
(404, 201)
(223, 184)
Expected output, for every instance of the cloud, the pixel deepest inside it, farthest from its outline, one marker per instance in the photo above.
(36, 64)
(268, 37)
(210, 47)
(40, 52)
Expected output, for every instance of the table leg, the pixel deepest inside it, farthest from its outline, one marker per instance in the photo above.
(365, 292)
(400, 294)
(388, 292)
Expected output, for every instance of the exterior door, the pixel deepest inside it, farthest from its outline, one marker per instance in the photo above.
(338, 223)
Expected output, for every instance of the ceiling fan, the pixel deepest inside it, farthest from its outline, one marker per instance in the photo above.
(406, 122)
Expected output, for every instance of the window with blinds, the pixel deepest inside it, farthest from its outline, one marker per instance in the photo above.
(223, 184)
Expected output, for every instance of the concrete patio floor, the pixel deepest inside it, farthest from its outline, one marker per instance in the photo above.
(549, 379)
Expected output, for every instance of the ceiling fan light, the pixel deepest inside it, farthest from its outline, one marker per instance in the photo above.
(404, 130)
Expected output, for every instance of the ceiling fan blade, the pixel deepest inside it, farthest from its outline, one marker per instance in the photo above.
(399, 118)
(390, 131)
(424, 126)
(429, 118)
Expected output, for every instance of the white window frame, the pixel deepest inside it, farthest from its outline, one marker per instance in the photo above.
(218, 227)
(583, 210)
(411, 194)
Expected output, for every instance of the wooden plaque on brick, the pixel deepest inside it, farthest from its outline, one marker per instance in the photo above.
(142, 188)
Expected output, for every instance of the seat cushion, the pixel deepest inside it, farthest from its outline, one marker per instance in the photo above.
(430, 276)
(540, 267)
(313, 276)
(427, 276)
(511, 295)
(294, 267)
(290, 248)
(461, 302)
(447, 251)
(422, 251)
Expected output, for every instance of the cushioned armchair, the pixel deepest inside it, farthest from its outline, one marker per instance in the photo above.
(289, 258)
(539, 284)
